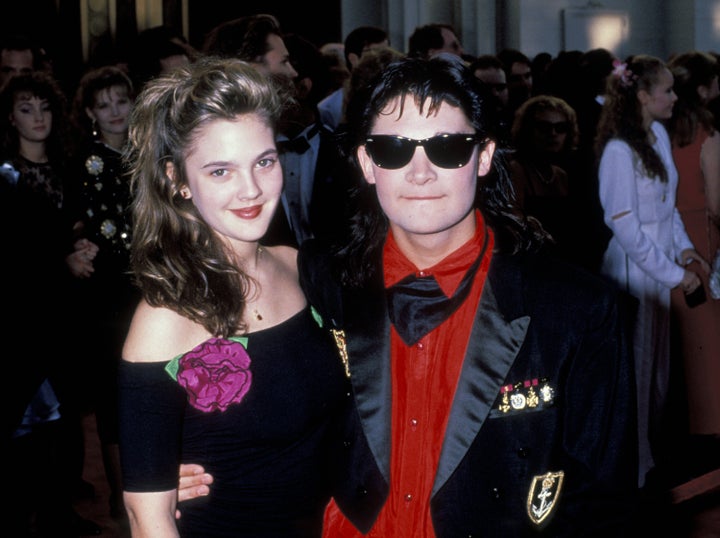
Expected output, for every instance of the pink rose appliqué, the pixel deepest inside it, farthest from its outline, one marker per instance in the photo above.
(215, 374)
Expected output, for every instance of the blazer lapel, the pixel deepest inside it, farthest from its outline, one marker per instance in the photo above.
(367, 329)
(495, 339)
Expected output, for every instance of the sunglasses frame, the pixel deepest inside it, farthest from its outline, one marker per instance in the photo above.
(432, 145)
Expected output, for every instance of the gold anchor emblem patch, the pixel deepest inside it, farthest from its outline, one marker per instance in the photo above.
(543, 496)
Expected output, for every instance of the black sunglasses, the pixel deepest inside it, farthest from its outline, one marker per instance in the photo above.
(546, 127)
(446, 151)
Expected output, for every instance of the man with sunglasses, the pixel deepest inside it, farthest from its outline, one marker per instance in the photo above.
(492, 391)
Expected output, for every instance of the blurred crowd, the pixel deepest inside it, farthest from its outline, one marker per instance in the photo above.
(66, 197)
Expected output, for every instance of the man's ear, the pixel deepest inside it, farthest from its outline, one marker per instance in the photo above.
(354, 59)
(366, 164)
(304, 87)
(485, 158)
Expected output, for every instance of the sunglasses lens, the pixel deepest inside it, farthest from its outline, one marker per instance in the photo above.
(390, 152)
(450, 151)
(445, 151)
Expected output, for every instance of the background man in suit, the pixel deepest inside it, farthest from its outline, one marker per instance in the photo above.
(311, 199)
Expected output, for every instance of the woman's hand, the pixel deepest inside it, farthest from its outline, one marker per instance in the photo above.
(79, 264)
(690, 282)
(80, 261)
(691, 255)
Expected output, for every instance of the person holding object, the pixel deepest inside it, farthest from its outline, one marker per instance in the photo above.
(492, 387)
(649, 249)
(225, 363)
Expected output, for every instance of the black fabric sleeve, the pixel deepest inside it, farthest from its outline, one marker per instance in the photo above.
(151, 409)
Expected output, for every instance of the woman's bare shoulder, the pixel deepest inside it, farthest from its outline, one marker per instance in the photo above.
(158, 334)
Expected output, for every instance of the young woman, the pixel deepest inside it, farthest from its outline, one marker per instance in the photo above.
(225, 363)
(696, 150)
(43, 416)
(649, 249)
(101, 197)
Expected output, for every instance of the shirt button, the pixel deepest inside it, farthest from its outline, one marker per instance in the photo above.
(408, 497)
(413, 423)
(523, 452)
(422, 273)
(420, 345)
(495, 493)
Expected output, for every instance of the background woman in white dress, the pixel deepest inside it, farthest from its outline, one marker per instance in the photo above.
(649, 248)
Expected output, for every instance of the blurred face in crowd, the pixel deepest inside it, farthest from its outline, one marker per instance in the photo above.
(709, 92)
(111, 110)
(550, 131)
(171, 62)
(276, 60)
(451, 44)
(355, 59)
(520, 79)
(657, 103)
(32, 117)
(14, 63)
(495, 79)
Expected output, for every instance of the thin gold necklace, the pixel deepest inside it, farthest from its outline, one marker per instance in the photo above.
(257, 316)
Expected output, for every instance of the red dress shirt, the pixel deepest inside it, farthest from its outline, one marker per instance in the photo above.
(424, 378)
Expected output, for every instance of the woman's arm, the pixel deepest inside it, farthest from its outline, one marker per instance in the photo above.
(710, 164)
(151, 414)
(152, 515)
(621, 206)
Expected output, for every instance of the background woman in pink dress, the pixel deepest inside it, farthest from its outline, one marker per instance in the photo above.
(696, 151)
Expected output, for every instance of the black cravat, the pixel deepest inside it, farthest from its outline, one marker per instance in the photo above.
(300, 144)
(417, 305)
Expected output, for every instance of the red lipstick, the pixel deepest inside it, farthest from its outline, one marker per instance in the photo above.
(248, 213)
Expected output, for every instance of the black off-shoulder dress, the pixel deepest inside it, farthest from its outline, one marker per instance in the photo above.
(271, 454)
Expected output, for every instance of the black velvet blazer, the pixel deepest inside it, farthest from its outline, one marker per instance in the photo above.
(552, 454)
